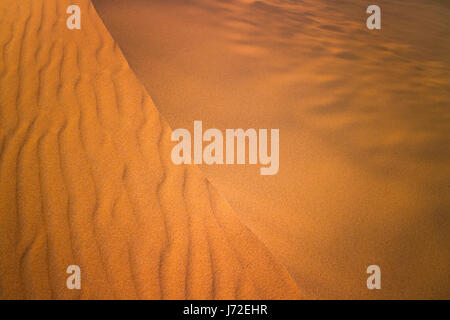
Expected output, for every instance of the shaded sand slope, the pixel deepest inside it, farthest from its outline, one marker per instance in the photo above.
(86, 178)
(364, 119)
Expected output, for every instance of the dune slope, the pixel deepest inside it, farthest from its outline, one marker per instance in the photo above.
(86, 178)
(364, 119)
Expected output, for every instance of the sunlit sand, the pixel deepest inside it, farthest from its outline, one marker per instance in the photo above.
(86, 179)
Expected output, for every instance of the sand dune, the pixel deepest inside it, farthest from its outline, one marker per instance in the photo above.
(363, 118)
(86, 178)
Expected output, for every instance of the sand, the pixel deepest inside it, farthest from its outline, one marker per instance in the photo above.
(86, 178)
(363, 117)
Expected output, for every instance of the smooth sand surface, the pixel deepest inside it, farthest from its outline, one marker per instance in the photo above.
(364, 119)
(86, 178)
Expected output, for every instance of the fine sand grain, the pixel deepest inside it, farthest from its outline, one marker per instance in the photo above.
(86, 178)
(364, 119)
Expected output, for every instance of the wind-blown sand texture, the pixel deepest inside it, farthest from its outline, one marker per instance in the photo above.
(86, 178)
(364, 119)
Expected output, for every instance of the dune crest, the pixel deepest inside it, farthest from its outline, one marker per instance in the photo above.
(86, 178)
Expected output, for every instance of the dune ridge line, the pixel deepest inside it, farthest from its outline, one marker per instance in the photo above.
(86, 178)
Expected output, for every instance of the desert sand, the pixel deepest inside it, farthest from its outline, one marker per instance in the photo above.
(86, 178)
(364, 119)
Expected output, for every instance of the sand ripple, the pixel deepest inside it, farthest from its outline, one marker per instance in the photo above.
(86, 178)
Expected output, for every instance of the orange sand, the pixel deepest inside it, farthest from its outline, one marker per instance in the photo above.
(86, 178)
(364, 124)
